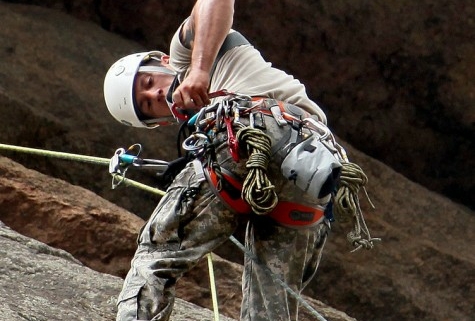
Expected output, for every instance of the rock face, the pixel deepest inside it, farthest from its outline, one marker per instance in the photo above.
(73, 219)
(51, 72)
(38, 282)
(51, 79)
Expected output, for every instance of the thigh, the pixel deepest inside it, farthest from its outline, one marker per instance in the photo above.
(291, 255)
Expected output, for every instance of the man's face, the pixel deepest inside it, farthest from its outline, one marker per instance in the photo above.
(150, 93)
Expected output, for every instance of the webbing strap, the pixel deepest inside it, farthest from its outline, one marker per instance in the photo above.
(232, 40)
(163, 70)
(295, 215)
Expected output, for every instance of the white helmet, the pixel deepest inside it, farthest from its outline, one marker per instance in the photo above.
(119, 87)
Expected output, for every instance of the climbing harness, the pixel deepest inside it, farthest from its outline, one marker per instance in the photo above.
(310, 154)
(228, 189)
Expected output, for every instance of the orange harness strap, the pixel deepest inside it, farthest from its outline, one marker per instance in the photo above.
(297, 215)
(229, 190)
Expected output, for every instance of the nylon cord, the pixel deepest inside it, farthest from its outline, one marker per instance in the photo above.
(85, 159)
(347, 205)
(67, 156)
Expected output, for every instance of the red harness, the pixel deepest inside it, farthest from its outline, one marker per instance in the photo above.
(289, 214)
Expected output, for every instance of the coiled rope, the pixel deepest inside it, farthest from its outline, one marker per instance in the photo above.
(347, 205)
(257, 191)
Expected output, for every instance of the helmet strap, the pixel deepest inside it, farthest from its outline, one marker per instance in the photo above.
(175, 83)
(160, 69)
(162, 121)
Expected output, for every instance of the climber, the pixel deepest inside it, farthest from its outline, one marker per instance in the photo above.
(151, 89)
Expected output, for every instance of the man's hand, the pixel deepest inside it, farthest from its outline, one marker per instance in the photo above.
(193, 91)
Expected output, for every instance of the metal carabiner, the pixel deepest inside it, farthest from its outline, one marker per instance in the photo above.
(219, 112)
(232, 141)
(116, 169)
(195, 143)
(318, 127)
(179, 113)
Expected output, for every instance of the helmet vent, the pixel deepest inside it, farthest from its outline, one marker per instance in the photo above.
(119, 69)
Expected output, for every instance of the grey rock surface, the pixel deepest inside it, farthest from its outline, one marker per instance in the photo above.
(41, 283)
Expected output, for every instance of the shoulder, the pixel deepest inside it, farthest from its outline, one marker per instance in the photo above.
(187, 33)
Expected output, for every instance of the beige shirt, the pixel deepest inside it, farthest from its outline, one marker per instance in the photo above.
(243, 70)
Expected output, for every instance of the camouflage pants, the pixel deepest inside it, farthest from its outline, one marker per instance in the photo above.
(190, 222)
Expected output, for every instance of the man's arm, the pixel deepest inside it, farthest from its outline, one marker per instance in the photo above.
(204, 33)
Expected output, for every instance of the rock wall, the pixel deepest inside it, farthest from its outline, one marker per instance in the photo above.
(38, 282)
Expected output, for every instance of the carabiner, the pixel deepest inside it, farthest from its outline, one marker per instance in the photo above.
(232, 141)
(195, 143)
(219, 93)
(179, 113)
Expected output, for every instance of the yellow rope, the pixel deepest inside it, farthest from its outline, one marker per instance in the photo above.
(347, 205)
(82, 158)
(257, 190)
(67, 156)
(119, 179)
(214, 296)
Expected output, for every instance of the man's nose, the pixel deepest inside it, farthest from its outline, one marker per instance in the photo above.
(153, 93)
